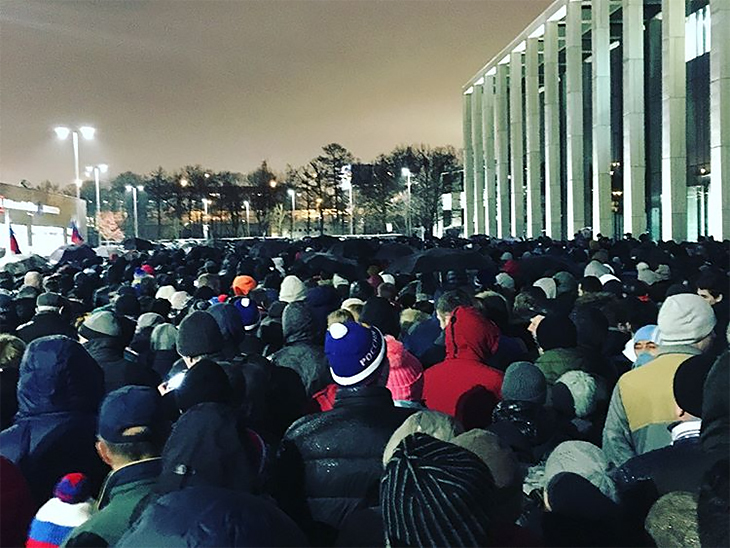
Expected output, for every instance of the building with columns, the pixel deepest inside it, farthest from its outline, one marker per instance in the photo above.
(609, 114)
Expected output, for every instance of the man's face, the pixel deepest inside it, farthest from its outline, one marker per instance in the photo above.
(641, 347)
(709, 297)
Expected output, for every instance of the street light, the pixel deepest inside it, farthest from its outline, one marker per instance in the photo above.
(293, 196)
(134, 190)
(405, 172)
(272, 183)
(96, 170)
(247, 205)
(183, 182)
(87, 132)
(206, 202)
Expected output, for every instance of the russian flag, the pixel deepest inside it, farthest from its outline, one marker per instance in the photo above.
(76, 235)
(14, 247)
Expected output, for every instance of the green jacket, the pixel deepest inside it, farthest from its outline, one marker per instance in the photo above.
(123, 491)
(553, 363)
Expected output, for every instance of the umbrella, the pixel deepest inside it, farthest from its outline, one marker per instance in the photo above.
(107, 251)
(538, 266)
(392, 251)
(71, 253)
(324, 241)
(138, 243)
(326, 262)
(18, 265)
(267, 249)
(353, 248)
(442, 259)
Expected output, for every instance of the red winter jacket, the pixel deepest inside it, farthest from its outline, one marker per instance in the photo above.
(463, 385)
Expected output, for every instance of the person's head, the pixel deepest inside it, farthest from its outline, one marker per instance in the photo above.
(101, 325)
(584, 459)
(495, 307)
(556, 332)
(450, 301)
(713, 505)
(198, 336)
(131, 426)
(341, 315)
(589, 284)
(525, 382)
(50, 302)
(646, 340)
(672, 520)
(11, 351)
(362, 290)
(243, 285)
(248, 313)
(209, 280)
(448, 490)
(163, 337)
(686, 319)
(688, 386)
(206, 381)
(381, 313)
(356, 354)
(712, 286)
(434, 423)
(33, 278)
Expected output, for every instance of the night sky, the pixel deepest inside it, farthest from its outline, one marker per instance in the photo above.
(226, 84)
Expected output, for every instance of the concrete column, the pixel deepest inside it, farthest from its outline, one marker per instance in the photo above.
(478, 142)
(532, 131)
(468, 162)
(553, 204)
(574, 117)
(489, 221)
(634, 160)
(719, 192)
(501, 151)
(601, 98)
(517, 149)
(674, 122)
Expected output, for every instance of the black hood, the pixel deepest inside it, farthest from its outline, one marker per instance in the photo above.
(298, 323)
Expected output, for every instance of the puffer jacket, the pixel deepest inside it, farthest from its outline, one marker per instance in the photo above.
(329, 464)
(54, 431)
(463, 385)
(557, 361)
(300, 352)
(209, 517)
(118, 370)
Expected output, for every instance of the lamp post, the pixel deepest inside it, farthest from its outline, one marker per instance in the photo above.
(247, 205)
(321, 216)
(134, 190)
(87, 132)
(96, 170)
(405, 172)
(206, 202)
(293, 195)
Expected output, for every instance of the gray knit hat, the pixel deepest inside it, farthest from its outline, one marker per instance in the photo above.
(524, 381)
(149, 319)
(163, 337)
(101, 324)
(685, 319)
(584, 459)
(434, 493)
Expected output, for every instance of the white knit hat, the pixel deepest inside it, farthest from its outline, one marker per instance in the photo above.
(292, 290)
(685, 319)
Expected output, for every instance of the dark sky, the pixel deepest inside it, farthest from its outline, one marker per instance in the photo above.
(228, 83)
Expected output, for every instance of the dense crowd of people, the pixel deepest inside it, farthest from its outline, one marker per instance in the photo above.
(560, 394)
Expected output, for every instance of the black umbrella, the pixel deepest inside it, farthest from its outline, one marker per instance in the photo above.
(323, 242)
(442, 260)
(326, 262)
(138, 243)
(267, 249)
(72, 253)
(392, 251)
(17, 265)
(353, 248)
(538, 266)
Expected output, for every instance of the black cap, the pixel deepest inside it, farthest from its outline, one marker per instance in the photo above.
(689, 383)
(129, 407)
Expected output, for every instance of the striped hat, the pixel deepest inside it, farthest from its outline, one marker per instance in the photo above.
(434, 493)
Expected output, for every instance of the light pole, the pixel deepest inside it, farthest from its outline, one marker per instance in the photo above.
(321, 216)
(87, 132)
(96, 170)
(405, 172)
(206, 202)
(292, 193)
(134, 190)
(247, 205)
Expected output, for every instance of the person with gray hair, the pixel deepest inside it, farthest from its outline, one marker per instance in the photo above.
(48, 319)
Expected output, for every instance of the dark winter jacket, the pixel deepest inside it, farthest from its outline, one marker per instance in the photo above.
(557, 361)
(463, 385)
(44, 324)
(123, 491)
(207, 516)
(118, 370)
(329, 464)
(54, 432)
(17, 506)
(300, 352)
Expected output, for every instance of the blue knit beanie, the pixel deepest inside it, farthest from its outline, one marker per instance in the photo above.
(248, 311)
(354, 352)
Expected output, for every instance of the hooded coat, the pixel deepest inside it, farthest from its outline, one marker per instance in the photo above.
(300, 352)
(204, 483)
(54, 432)
(463, 385)
(118, 370)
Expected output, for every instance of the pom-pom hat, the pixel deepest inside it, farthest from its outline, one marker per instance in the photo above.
(354, 352)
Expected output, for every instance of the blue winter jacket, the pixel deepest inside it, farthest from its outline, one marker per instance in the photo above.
(54, 430)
